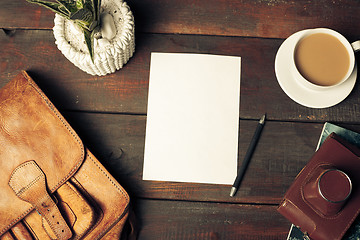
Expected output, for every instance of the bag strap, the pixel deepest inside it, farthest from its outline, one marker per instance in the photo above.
(29, 184)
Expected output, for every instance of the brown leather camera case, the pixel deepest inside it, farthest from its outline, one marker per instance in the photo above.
(337, 153)
(51, 186)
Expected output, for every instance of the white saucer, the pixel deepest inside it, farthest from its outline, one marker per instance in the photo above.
(300, 94)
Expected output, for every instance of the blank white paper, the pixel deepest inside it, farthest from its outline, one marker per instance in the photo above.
(192, 118)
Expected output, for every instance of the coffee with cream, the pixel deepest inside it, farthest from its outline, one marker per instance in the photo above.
(322, 59)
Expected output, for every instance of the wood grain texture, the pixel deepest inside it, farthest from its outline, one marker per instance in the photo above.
(283, 150)
(125, 91)
(208, 221)
(255, 18)
(109, 112)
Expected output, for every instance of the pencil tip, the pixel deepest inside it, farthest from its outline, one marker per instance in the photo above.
(233, 191)
(262, 120)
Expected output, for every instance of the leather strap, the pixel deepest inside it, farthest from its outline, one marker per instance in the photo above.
(29, 184)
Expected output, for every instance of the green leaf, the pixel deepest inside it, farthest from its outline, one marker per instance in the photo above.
(89, 5)
(79, 4)
(69, 5)
(64, 11)
(89, 39)
(53, 6)
(83, 15)
(83, 18)
(96, 8)
(93, 25)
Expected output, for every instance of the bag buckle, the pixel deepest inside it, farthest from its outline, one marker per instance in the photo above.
(28, 182)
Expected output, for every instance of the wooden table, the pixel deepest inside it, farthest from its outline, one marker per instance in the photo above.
(109, 112)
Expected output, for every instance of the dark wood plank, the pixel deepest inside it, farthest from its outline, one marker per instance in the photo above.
(208, 221)
(260, 18)
(283, 150)
(109, 113)
(68, 86)
(21, 14)
(126, 90)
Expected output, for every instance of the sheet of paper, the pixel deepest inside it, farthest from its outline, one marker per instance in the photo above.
(192, 118)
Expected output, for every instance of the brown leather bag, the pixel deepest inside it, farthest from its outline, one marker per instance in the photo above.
(51, 186)
(305, 208)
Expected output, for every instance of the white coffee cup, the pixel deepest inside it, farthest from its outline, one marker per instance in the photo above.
(350, 48)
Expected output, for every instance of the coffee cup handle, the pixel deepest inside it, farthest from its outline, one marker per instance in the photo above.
(356, 46)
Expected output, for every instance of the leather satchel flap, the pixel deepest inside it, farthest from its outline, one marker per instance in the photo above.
(31, 129)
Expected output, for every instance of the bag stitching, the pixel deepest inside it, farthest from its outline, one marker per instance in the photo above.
(120, 190)
(64, 124)
(43, 198)
(30, 184)
(109, 178)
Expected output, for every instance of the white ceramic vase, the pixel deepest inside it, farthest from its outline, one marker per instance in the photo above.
(114, 44)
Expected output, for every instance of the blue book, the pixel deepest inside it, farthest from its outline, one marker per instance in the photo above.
(353, 137)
